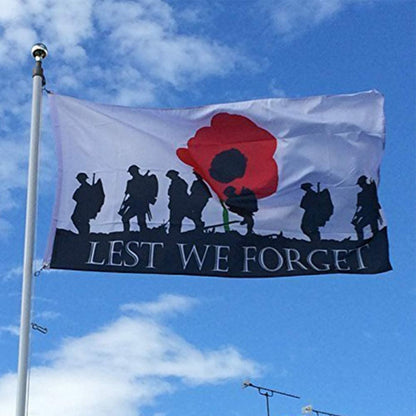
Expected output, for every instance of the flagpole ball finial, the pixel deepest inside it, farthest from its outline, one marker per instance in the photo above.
(39, 51)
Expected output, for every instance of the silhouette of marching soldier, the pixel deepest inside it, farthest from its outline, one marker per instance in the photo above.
(178, 201)
(89, 200)
(243, 204)
(368, 208)
(318, 209)
(141, 192)
(198, 199)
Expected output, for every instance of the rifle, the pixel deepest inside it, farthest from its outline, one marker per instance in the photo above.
(123, 207)
(220, 225)
(356, 218)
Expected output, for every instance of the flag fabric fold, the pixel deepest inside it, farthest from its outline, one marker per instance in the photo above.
(263, 188)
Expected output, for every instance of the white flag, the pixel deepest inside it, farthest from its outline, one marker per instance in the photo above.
(272, 187)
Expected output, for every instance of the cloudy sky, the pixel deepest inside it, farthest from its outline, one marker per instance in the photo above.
(162, 345)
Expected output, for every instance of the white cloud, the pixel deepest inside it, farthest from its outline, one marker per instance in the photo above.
(294, 17)
(85, 33)
(12, 171)
(17, 272)
(10, 10)
(165, 304)
(10, 329)
(126, 85)
(150, 38)
(14, 147)
(121, 52)
(5, 227)
(123, 367)
(13, 273)
(276, 90)
(47, 315)
(64, 25)
(69, 24)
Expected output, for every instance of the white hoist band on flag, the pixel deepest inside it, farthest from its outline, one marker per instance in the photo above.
(263, 188)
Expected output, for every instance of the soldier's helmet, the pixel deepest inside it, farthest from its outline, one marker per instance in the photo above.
(172, 173)
(133, 169)
(362, 180)
(306, 186)
(82, 176)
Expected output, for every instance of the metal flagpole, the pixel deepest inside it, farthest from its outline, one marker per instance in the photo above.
(39, 52)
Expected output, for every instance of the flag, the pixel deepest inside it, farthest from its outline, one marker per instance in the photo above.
(262, 188)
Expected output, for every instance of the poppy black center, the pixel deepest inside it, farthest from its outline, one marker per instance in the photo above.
(228, 165)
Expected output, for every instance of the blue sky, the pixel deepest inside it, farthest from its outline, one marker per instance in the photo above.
(163, 345)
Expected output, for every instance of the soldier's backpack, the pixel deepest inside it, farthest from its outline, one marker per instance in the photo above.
(372, 187)
(325, 207)
(97, 198)
(152, 188)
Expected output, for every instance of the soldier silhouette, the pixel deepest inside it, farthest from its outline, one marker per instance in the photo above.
(198, 199)
(318, 209)
(89, 200)
(141, 191)
(178, 201)
(368, 208)
(243, 204)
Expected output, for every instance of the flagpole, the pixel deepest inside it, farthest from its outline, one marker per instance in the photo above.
(39, 52)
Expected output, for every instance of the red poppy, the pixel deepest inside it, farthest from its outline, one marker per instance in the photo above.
(233, 151)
